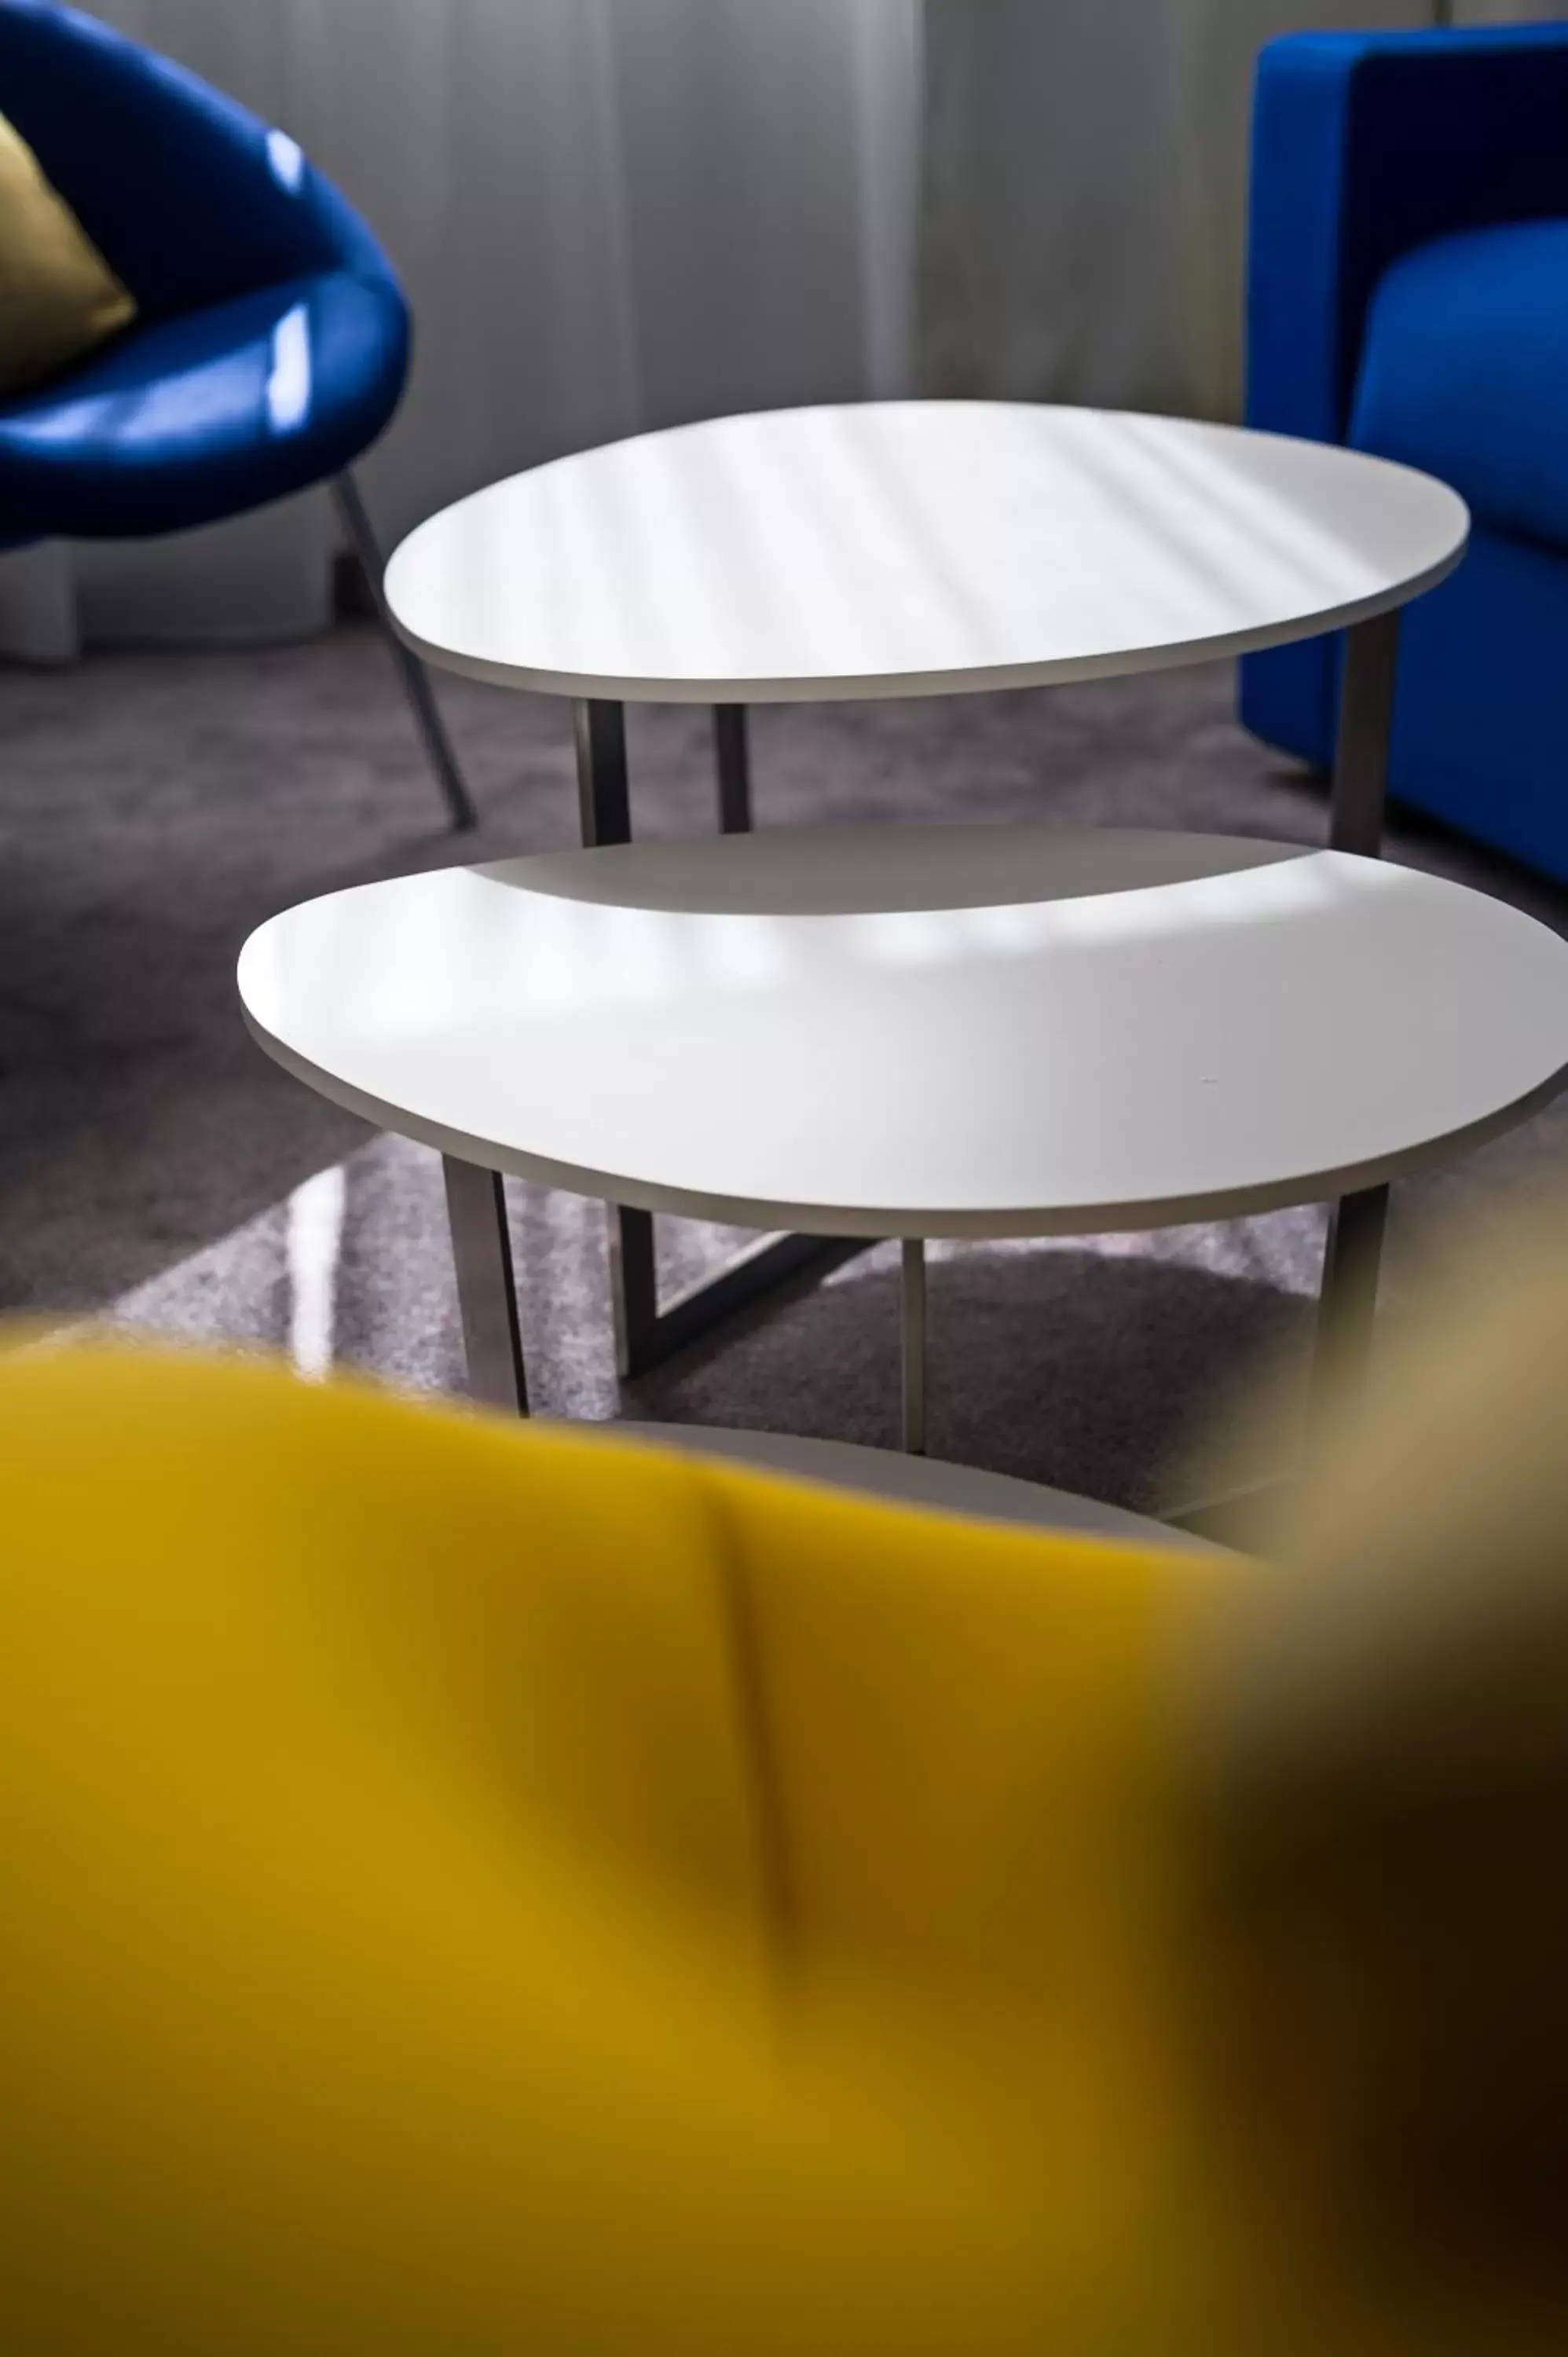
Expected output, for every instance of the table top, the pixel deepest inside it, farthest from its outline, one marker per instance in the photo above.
(936, 1031)
(912, 548)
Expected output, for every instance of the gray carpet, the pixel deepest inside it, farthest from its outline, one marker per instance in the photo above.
(155, 1165)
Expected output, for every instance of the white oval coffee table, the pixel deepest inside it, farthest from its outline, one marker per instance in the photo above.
(918, 1032)
(912, 548)
(908, 549)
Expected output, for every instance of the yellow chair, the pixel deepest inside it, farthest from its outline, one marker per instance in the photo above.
(469, 1889)
(472, 1888)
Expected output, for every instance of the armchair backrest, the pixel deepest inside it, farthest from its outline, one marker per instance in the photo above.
(190, 198)
(1365, 146)
(427, 1846)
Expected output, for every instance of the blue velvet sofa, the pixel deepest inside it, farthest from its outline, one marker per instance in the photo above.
(1408, 294)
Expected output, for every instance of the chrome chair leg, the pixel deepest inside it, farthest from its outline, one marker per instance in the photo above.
(415, 679)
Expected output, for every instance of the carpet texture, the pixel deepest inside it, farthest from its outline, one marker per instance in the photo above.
(155, 1167)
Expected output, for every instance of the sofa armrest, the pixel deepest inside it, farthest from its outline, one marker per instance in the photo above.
(1363, 147)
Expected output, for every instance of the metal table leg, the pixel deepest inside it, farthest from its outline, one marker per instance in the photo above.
(486, 1288)
(1365, 719)
(648, 1332)
(1355, 823)
(732, 749)
(914, 1347)
(604, 793)
(1341, 1358)
(1347, 1309)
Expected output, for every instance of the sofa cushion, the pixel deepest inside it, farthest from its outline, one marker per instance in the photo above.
(1465, 372)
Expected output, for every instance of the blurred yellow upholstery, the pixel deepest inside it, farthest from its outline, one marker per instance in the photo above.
(470, 1888)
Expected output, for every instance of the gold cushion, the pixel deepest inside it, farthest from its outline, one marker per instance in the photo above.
(59, 299)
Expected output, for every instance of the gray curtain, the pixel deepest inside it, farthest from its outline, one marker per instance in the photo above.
(1086, 166)
(610, 214)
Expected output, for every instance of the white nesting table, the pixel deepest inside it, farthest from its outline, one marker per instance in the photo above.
(904, 549)
(919, 1032)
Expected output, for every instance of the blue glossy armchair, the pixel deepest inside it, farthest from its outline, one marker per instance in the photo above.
(1408, 294)
(271, 341)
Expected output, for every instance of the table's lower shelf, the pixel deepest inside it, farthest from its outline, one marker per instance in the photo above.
(910, 1480)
